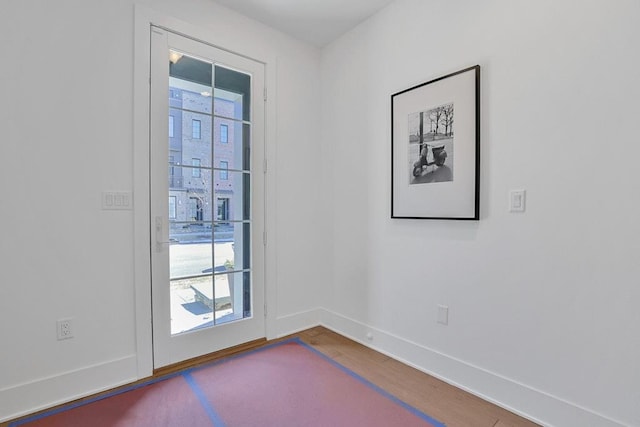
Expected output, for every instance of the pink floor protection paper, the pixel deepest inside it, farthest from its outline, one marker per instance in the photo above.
(282, 384)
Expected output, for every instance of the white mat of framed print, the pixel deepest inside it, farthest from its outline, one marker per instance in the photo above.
(435, 148)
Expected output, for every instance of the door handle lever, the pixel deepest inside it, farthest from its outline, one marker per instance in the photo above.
(159, 234)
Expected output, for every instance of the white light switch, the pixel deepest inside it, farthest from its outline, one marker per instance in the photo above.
(517, 199)
(116, 200)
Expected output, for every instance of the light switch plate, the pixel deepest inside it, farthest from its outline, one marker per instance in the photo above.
(517, 200)
(116, 200)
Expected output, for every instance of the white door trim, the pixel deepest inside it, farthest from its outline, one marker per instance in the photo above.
(230, 41)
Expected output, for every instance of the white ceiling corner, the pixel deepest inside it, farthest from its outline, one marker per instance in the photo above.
(317, 22)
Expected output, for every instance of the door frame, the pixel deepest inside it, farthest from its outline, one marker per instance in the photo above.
(175, 347)
(233, 41)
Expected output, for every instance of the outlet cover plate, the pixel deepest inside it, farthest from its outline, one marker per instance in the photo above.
(443, 314)
(65, 329)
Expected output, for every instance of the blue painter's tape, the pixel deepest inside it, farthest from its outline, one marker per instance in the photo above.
(371, 385)
(213, 415)
(79, 403)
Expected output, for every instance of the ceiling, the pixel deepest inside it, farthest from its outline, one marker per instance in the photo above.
(315, 21)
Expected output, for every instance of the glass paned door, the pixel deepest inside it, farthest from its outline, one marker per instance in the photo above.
(206, 208)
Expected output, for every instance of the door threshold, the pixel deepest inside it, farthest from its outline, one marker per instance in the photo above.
(207, 358)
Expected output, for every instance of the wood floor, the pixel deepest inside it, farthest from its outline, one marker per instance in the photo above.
(448, 404)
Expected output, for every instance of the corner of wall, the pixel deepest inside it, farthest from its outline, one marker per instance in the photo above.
(490, 386)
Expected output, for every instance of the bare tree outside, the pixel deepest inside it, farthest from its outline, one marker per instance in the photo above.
(448, 119)
(435, 118)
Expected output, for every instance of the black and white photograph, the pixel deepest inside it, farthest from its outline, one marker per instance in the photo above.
(435, 148)
(431, 145)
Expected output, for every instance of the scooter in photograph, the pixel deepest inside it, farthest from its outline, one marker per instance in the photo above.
(437, 157)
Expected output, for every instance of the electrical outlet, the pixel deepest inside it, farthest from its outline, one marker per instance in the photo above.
(65, 330)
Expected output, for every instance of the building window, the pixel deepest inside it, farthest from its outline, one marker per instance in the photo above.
(172, 207)
(196, 129)
(224, 170)
(224, 134)
(195, 171)
(171, 126)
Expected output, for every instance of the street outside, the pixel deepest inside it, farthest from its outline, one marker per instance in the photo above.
(194, 259)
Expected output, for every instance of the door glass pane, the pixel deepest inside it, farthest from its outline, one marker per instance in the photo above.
(195, 138)
(232, 94)
(193, 303)
(190, 186)
(188, 78)
(234, 187)
(232, 245)
(238, 304)
(236, 151)
(190, 97)
(191, 259)
(209, 194)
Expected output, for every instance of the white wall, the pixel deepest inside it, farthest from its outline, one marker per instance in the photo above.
(543, 305)
(67, 135)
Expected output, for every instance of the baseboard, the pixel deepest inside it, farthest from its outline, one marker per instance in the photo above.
(292, 323)
(535, 405)
(24, 399)
(538, 406)
(27, 398)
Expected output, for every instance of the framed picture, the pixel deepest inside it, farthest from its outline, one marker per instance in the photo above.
(435, 148)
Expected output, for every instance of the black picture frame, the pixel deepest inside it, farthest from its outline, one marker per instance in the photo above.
(435, 148)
